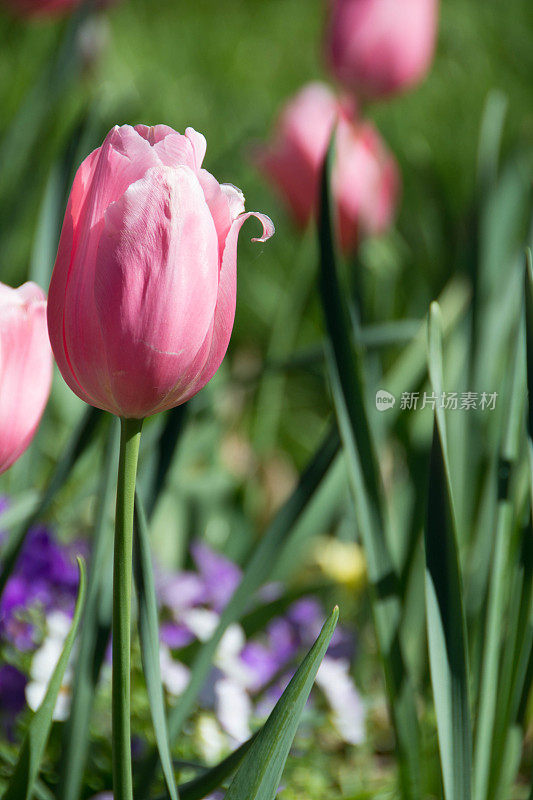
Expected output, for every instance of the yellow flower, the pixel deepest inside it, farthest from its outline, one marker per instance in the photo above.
(343, 562)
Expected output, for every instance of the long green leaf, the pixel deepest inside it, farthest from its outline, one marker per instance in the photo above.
(149, 637)
(212, 778)
(517, 652)
(74, 449)
(40, 791)
(346, 377)
(444, 607)
(490, 138)
(91, 646)
(260, 567)
(166, 447)
(528, 294)
(260, 773)
(498, 586)
(22, 781)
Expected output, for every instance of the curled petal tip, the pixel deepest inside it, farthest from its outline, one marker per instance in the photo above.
(268, 226)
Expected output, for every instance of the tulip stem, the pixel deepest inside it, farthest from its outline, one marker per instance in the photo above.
(130, 436)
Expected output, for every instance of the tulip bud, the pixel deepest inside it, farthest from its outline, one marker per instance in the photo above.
(25, 368)
(142, 297)
(381, 47)
(365, 180)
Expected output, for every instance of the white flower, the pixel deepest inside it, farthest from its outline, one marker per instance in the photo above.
(44, 663)
(200, 621)
(203, 623)
(348, 710)
(211, 739)
(233, 708)
(174, 674)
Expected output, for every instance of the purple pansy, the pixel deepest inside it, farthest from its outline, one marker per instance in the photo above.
(12, 696)
(220, 576)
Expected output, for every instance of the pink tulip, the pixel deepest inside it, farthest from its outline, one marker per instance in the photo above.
(142, 298)
(365, 177)
(381, 47)
(25, 368)
(46, 8)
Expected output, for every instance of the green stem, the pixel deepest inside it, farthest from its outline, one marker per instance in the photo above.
(130, 436)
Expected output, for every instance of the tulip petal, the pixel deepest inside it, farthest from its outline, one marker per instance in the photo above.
(199, 145)
(226, 302)
(25, 368)
(172, 148)
(65, 257)
(155, 286)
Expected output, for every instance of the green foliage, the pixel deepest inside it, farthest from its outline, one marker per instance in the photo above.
(260, 773)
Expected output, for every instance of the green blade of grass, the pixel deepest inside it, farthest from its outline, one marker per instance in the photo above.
(346, 377)
(260, 773)
(74, 449)
(444, 606)
(257, 572)
(88, 661)
(21, 784)
(149, 638)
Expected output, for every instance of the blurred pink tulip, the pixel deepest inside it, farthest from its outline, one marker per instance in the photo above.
(380, 47)
(142, 298)
(47, 8)
(25, 368)
(365, 177)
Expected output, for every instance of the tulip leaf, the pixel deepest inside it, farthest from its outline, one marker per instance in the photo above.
(514, 681)
(21, 784)
(94, 633)
(79, 441)
(166, 447)
(497, 599)
(490, 139)
(20, 508)
(149, 638)
(444, 605)
(528, 292)
(259, 568)
(40, 791)
(212, 778)
(260, 773)
(345, 366)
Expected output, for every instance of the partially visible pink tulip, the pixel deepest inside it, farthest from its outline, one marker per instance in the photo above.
(25, 368)
(381, 47)
(142, 298)
(365, 177)
(46, 8)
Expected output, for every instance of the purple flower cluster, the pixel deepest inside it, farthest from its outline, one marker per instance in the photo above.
(45, 579)
(248, 675)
